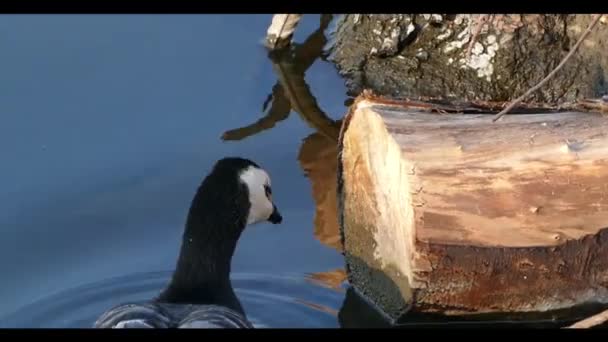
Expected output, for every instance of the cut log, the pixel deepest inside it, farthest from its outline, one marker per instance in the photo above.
(453, 214)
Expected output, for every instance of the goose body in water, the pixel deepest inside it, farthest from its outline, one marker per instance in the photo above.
(235, 194)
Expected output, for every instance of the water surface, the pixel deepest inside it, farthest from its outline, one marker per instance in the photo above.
(109, 123)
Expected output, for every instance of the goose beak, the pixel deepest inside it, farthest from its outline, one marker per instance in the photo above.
(275, 217)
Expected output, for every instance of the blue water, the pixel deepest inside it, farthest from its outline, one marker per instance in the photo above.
(109, 123)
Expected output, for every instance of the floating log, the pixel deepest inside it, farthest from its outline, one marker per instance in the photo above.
(453, 214)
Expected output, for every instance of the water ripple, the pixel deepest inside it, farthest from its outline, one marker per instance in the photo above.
(272, 301)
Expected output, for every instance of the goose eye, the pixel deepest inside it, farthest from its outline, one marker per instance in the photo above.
(268, 191)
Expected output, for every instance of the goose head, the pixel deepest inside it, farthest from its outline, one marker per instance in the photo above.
(259, 191)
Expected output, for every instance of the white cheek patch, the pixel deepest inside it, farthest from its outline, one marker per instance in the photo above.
(261, 207)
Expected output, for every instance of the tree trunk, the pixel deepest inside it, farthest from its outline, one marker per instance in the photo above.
(467, 58)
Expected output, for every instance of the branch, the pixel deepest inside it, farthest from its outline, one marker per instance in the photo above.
(591, 321)
(552, 73)
(281, 29)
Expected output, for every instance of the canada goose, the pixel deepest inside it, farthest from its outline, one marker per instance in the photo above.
(236, 193)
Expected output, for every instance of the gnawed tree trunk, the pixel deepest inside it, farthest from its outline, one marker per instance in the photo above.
(456, 215)
(437, 55)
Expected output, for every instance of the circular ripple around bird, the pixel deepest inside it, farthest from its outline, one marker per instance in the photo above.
(271, 301)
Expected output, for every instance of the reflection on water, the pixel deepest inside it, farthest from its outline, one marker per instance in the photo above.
(291, 92)
(318, 152)
(331, 279)
(318, 159)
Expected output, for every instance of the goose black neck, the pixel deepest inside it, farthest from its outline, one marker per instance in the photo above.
(216, 219)
(202, 275)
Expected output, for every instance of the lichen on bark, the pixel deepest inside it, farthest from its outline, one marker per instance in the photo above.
(408, 55)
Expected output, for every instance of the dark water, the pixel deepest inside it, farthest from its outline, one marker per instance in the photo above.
(109, 124)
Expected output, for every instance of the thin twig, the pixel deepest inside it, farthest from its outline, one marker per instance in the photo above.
(590, 321)
(552, 73)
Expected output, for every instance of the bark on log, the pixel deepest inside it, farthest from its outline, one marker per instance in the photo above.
(407, 55)
(454, 214)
